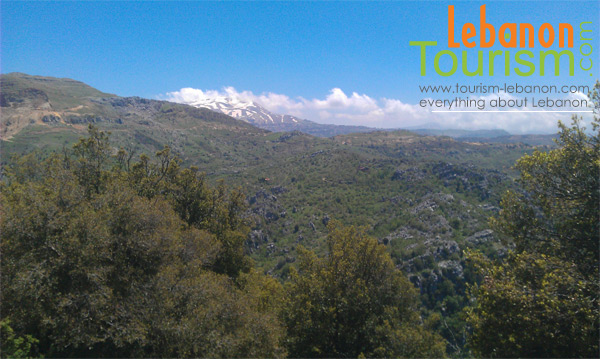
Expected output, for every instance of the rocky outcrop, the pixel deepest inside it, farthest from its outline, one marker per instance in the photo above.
(467, 178)
(409, 175)
(265, 205)
(481, 237)
(278, 190)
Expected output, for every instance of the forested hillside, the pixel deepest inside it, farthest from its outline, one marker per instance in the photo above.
(169, 230)
(104, 257)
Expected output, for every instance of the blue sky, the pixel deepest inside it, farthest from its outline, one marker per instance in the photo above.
(299, 50)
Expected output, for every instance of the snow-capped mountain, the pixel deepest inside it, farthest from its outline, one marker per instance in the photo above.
(250, 112)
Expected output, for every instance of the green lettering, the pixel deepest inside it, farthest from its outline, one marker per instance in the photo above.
(582, 31)
(436, 63)
(557, 56)
(479, 71)
(493, 54)
(423, 45)
(527, 63)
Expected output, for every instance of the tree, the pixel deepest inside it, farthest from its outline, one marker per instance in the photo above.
(15, 347)
(95, 263)
(91, 153)
(354, 302)
(216, 210)
(543, 300)
(533, 306)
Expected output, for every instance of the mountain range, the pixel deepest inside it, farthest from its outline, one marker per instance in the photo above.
(257, 115)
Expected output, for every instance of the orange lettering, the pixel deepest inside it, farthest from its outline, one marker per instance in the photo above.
(485, 26)
(451, 42)
(543, 41)
(561, 35)
(522, 28)
(513, 35)
(468, 31)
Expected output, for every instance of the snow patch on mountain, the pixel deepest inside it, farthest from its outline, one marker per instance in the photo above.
(248, 111)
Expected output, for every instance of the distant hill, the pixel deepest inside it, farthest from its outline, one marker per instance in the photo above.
(489, 136)
(49, 113)
(461, 133)
(532, 140)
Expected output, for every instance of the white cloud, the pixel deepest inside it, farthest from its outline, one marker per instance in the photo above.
(339, 108)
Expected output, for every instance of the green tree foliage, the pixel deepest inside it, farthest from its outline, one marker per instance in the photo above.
(354, 302)
(534, 306)
(12, 346)
(543, 300)
(558, 213)
(92, 153)
(212, 209)
(102, 262)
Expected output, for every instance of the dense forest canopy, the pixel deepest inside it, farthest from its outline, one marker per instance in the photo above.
(105, 257)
